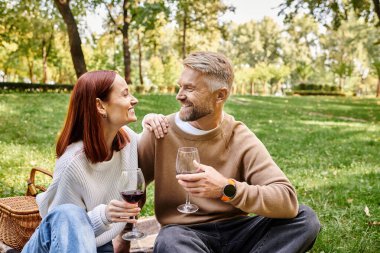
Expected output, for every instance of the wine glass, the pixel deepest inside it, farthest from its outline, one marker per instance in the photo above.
(185, 165)
(132, 187)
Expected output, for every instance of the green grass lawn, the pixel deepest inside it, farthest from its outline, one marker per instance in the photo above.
(328, 147)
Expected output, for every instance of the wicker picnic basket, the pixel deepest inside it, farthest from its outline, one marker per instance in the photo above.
(19, 216)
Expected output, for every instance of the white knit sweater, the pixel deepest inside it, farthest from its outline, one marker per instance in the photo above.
(90, 186)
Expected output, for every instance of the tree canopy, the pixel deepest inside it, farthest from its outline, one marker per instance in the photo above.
(333, 13)
(322, 43)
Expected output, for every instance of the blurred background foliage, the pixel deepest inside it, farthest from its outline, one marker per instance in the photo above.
(322, 43)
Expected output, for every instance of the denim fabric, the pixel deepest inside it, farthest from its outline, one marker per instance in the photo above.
(242, 234)
(67, 228)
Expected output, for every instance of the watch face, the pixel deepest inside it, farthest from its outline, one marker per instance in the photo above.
(229, 190)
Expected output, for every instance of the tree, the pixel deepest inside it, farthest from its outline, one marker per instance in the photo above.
(256, 42)
(172, 68)
(376, 66)
(373, 49)
(334, 11)
(301, 41)
(122, 18)
(262, 75)
(342, 48)
(107, 52)
(148, 20)
(156, 72)
(75, 41)
(278, 73)
(199, 16)
(36, 26)
(128, 15)
(244, 76)
(60, 62)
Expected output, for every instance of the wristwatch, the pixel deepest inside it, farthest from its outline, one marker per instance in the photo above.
(229, 191)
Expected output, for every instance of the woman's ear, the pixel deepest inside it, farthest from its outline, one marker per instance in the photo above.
(101, 107)
(222, 95)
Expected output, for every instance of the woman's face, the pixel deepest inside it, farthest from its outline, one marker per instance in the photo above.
(120, 104)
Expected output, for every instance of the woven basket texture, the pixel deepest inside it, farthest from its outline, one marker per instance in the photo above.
(19, 217)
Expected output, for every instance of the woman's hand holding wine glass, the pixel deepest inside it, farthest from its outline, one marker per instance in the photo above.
(122, 211)
(132, 188)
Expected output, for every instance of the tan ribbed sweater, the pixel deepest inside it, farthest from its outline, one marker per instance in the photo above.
(234, 151)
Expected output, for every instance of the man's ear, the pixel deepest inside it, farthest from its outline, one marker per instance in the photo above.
(222, 95)
(101, 107)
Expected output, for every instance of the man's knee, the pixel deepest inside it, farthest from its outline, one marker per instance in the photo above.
(169, 238)
(310, 221)
(170, 233)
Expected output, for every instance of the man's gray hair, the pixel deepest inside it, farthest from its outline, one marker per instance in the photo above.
(215, 66)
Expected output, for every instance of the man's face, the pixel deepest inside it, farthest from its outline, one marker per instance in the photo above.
(194, 95)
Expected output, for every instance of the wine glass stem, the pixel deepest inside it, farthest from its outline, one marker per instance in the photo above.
(187, 199)
(134, 225)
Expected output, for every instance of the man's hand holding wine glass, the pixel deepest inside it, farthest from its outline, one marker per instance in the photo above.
(122, 211)
(208, 183)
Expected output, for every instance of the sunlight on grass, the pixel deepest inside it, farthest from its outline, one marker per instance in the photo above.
(334, 123)
(4, 108)
(328, 147)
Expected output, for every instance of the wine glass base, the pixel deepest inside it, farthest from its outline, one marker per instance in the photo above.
(187, 208)
(133, 235)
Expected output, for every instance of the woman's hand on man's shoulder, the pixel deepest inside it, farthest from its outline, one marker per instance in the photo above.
(156, 123)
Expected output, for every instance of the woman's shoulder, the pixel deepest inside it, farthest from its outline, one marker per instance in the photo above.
(132, 134)
(73, 154)
(72, 151)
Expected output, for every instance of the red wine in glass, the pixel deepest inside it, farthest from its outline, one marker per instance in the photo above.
(132, 187)
(132, 196)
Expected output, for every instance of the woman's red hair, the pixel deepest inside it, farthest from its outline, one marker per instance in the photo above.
(83, 120)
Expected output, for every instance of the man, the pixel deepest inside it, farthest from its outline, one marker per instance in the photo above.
(237, 175)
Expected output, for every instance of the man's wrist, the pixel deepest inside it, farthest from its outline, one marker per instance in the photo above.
(229, 190)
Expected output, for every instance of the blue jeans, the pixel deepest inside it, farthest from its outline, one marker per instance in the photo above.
(242, 234)
(67, 228)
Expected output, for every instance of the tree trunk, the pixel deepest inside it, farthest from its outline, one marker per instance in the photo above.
(184, 36)
(140, 58)
(30, 66)
(74, 38)
(44, 62)
(45, 54)
(265, 89)
(340, 85)
(378, 88)
(234, 88)
(274, 88)
(5, 76)
(127, 53)
(252, 84)
(376, 4)
(243, 85)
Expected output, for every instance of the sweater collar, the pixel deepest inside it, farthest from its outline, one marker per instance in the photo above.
(207, 135)
(188, 128)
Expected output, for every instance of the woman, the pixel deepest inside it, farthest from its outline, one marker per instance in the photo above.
(81, 211)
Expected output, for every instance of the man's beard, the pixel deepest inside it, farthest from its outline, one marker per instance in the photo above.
(195, 112)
